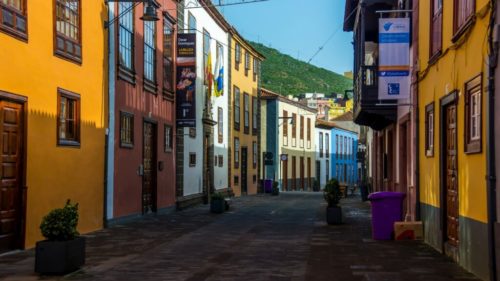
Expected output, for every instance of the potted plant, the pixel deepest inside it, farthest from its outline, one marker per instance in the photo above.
(276, 190)
(63, 251)
(332, 195)
(217, 203)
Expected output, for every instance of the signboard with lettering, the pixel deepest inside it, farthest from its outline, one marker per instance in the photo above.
(186, 80)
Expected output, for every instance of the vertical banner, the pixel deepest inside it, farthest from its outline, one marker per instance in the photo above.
(186, 80)
(394, 58)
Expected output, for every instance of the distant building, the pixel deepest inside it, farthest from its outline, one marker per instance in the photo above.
(349, 74)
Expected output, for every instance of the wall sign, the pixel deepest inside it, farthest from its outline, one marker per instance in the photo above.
(186, 80)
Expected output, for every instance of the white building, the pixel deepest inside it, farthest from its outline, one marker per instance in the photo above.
(324, 151)
(204, 165)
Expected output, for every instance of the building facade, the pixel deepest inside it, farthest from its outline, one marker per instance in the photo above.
(198, 174)
(244, 113)
(141, 158)
(344, 166)
(289, 131)
(53, 121)
(452, 144)
(324, 152)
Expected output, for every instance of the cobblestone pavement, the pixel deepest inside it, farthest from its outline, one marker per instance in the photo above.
(260, 238)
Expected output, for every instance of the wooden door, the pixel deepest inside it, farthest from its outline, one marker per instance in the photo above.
(11, 195)
(149, 166)
(294, 174)
(244, 169)
(285, 175)
(451, 186)
(302, 181)
(318, 172)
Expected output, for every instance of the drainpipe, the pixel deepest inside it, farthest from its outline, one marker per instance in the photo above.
(110, 131)
(490, 139)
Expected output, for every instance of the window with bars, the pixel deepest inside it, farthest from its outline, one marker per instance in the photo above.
(320, 144)
(237, 56)
(126, 129)
(68, 118)
(149, 53)
(220, 124)
(126, 37)
(236, 153)
(13, 18)
(237, 114)
(463, 14)
(68, 30)
(436, 33)
(246, 118)
(254, 116)
(168, 58)
(168, 138)
(473, 111)
(429, 130)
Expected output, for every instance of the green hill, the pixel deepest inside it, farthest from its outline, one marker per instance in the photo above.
(285, 75)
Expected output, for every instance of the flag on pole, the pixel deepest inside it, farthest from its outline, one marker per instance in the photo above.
(219, 80)
(208, 75)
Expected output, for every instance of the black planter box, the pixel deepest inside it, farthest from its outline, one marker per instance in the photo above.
(59, 257)
(334, 215)
(218, 206)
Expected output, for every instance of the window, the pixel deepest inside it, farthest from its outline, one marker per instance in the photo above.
(191, 23)
(308, 132)
(216, 161)
(327, 173)
(473, 112)
(220, 124)
(68, 32)
(168, 58)
(168, 138)
(180, 16)
(254, 155)
(337, 146)
(126, 41)
(126, 129)
(13, 17)
(463, 13)
(236, 153)
(221, 161)
(327, 145)
(320, 144)
(294, 125)
(246, 104)
(237, 114)
(236, 180)
(192, 159)
(150, 55)
(301, 127)
(68, 123)
(255, 68)
(429, 130)
(254, 116)
(436, 33)
(285, 127)
(247, 63)
(237, 56)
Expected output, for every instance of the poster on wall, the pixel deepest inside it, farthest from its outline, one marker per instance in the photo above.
(394, 58)
(186, 80)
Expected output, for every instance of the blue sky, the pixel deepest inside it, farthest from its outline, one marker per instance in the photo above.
(297, 28)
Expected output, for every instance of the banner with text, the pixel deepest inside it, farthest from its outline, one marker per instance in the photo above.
(394, 58)
(186, 80)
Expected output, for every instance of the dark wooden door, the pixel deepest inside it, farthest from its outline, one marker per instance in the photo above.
(285, 175)
(294, 173)
(309, 178)
(149, 166)
(318, 171)
(244, 169)
(11, 196)
(302, 181)
(451, 176)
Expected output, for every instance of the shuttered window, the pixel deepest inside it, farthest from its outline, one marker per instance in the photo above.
(463, 12)
(436, 33)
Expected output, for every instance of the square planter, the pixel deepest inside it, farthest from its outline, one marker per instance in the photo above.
(59, 257)
(334, 215)
(218, 206)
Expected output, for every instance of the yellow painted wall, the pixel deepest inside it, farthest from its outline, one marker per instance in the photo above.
(246, 85)
(30, 69)
(459, 63)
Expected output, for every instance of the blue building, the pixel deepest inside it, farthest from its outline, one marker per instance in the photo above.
(344, 165)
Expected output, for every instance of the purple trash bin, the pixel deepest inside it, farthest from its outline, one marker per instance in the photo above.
(386, 209)
(268, 186)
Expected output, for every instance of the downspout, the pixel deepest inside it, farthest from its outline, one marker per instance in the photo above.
(417, 124)
(490, 139)
(110, 132)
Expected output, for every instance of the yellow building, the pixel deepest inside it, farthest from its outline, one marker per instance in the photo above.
(52, 102)
(244, 115)
(453, 52)
(337, 109)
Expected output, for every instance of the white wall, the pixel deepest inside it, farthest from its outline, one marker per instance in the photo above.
(322, 160)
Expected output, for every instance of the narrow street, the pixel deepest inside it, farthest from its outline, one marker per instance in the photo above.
(260, 238)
